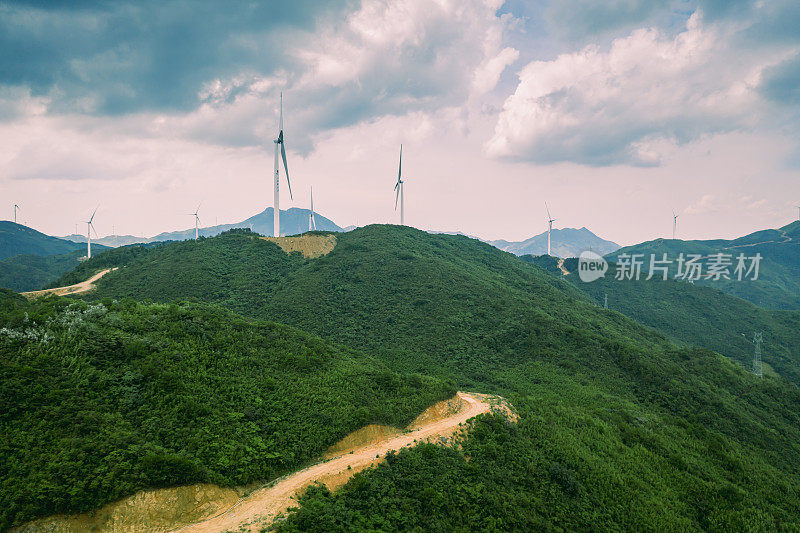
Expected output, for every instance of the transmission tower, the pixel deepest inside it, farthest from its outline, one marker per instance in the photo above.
(757, 339)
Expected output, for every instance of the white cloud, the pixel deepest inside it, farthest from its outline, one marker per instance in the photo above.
(617, 106)
(385, 59)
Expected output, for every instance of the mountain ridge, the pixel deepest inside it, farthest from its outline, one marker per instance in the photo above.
(565, 242)
(293, 221)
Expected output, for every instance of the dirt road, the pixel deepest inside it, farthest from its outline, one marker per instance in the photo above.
(262, 506)
(84, 286)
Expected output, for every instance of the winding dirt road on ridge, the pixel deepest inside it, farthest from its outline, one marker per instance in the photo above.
(262, 506)
(83, 286)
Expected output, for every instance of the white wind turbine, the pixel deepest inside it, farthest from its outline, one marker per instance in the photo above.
(89, 230)
(312, 220)
(674, 224)
(196, 222)
(399, 188)
(798, 212)
(550, 221)
(280, 150)
(16, 208)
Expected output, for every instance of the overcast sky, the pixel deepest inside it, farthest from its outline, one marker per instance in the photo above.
(614, 114)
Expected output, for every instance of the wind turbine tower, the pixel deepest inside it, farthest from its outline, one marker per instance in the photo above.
(674, 224)
(280, 150)
(16, 208)
(797, 206)
(89, 229)
(196, 222)
(399, 188)
(312, 221)
(757, 340)
(550, 221)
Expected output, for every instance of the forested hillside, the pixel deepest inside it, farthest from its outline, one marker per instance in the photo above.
(30, 272)
(619, 427)
(16, 239)
(695, 315)
(99, 400)
(778, 283)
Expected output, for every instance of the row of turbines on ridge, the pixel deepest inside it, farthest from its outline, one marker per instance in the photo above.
(280, 155)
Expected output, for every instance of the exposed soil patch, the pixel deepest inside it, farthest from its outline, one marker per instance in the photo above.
(84, 286)
(310, 246)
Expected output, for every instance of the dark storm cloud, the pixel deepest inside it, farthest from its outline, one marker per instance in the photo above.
(122, 57)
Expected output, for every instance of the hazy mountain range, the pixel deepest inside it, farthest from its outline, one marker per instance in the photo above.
(293, 221)
(567, 242)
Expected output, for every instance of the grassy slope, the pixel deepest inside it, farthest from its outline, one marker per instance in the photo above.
(619, 428)
(778, 286)
(100, 400)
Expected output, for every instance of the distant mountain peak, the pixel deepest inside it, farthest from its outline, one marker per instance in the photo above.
(565, 242)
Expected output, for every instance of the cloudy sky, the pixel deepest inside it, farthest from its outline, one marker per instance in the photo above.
(614, 114)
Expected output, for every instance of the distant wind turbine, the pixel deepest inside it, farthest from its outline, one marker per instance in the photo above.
(399, 188)
(550, 221)
(798, 212)
(280, 150)
(89, 229)
(16, 208)
(312, 221)
(196, 222)
(674, 224)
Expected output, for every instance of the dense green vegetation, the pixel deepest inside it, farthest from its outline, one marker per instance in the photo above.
(619, 428)
(31, 272)
(29, 260)
(695, 315)
(16, 239)
(98, 400)
(778, 284)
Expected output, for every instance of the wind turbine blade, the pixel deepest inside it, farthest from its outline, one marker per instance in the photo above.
(396, 198)
(549, 216)
(400, 166)
(286, 168)
(280, 123)
(93, 213)
(198, 208)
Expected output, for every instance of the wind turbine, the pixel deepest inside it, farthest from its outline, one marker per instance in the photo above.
(312, 220)
(674, 224)
(797, 206)
(89, 229)
(16, 208)
(196, 222)
(280, 150)
(550, 221)
(399, 188)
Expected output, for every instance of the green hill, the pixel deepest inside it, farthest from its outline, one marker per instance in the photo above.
(100, 400)
(778, 284)
(31, 272)
(29, 260)
(16, 239)
(619, 427)
(695, 315)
